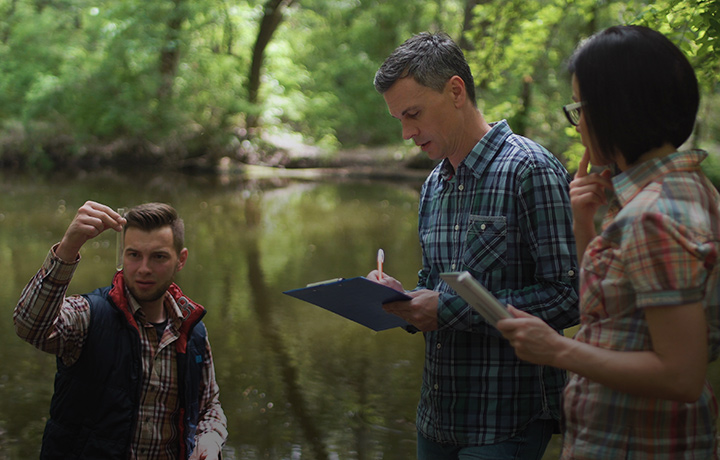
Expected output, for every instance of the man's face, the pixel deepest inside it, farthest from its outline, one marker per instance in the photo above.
(150, 263)
(428, 117)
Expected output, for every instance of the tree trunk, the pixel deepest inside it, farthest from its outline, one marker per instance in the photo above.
(520, 124)
(468, 18)
(469, 23)
(272, 17)
(170, 54)
(7, 27)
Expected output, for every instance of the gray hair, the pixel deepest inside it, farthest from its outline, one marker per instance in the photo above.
(431, 59)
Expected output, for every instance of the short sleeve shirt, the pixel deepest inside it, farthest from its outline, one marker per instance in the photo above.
(658, 248)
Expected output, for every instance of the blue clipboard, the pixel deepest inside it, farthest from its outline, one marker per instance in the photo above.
(357, 299)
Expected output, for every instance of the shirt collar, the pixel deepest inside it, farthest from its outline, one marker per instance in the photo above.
(171, 307)
(630, 182)
(482, 154)
(447, 172)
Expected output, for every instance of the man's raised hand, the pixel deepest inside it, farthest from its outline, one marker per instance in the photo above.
(91, 220)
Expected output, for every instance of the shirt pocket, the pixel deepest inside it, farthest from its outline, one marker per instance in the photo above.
(486, 244)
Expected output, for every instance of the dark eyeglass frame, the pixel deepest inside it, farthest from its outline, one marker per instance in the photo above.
(572, 112)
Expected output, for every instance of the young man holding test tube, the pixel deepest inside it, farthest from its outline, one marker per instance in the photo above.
(497, 206)
(135, 376)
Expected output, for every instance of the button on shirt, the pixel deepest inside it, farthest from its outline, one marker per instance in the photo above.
(504, 215)
(659, 248)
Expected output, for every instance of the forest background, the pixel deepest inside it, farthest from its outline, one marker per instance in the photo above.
(191, 84)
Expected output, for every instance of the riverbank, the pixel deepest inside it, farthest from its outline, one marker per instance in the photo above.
(307, 162)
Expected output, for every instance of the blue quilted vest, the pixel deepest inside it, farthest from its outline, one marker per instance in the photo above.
(94, 408)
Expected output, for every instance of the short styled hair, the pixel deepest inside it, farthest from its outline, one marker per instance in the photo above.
(153, 216)
(639, 91)
(431, 59)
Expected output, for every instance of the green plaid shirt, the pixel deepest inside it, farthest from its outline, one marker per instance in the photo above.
(504, 216)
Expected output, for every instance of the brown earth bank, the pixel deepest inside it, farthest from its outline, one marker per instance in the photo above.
(385, 163)
(279, 156)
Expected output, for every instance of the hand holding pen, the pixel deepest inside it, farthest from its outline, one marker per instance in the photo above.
(379, 276)
(421, 311)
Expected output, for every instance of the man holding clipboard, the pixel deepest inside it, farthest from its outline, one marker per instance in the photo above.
(496, 206)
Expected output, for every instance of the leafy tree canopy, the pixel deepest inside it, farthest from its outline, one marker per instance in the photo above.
(185, 83)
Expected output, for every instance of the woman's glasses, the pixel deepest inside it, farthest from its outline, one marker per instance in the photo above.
(572, 112)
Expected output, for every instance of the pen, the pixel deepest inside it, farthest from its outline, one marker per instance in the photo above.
(380, 260)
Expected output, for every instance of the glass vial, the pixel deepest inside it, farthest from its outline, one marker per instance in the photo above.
(119, 246)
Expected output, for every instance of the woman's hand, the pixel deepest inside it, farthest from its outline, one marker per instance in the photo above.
(532, 338)
(587, 195)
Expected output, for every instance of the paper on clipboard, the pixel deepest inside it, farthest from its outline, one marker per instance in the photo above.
(476, 296)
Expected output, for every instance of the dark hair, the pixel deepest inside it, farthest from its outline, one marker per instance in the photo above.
(153, 216)
(639, 90)
(431, 59)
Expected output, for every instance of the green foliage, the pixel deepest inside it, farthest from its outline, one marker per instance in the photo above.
(694, 26)
(341, 46)
(518, 60)
(168, 80)
(520, 50)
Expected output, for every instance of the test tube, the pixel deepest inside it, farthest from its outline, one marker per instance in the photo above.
(119, 244)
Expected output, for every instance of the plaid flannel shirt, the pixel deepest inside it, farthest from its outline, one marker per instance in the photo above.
(504, 216)
(45, 318)
(659, 247)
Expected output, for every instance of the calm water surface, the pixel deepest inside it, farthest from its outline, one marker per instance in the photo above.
(296, 382)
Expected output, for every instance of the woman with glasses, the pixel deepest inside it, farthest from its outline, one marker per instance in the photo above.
(649, 289)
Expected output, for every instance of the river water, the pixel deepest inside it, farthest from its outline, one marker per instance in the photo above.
(296, 382)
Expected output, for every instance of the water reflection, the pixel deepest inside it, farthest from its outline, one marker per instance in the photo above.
(263, 306)
(296, 381)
